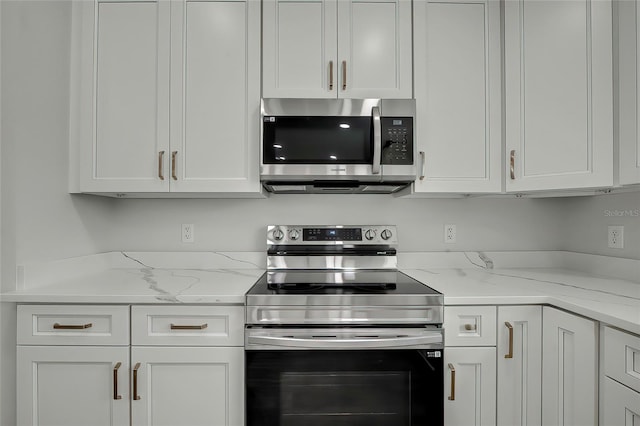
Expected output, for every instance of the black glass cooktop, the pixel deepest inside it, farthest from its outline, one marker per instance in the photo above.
(323, 282)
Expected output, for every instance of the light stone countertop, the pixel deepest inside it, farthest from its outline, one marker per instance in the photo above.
(570, 281)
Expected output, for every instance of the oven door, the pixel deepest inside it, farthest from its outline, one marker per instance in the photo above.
(344, 377)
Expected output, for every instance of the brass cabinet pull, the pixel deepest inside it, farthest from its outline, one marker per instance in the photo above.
(189, 327)
(422, 163)
(344, 75)
(470, 327)
(136, 397)
(115, 381)
(161, 165)
(510, 327)
(330, 75)
(57, 326)
(512, 166)
(452, 397)
(173, 165)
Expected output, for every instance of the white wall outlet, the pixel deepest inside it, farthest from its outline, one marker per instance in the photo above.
(449, 234)
(188, 233)
(615, 237)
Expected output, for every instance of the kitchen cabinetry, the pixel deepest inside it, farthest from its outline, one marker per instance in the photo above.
(628, 17)
(183, 365)
(458, 96)
(519, 365)
(558, 94)
(331, 48)
(569, 369)
(167, 96)
(470, 365)
(72, 365)
(620, 379)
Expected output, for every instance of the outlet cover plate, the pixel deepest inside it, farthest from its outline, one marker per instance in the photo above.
(615, 237)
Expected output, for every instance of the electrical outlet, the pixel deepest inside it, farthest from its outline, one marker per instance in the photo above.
(188, 233)
(615, 238)
(449, 234)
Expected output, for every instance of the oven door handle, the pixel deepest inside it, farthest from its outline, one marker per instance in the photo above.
(347, 343)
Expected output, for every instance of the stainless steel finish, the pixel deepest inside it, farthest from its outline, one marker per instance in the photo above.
(377, 140)
(330, 75)
(422, 164)
(332, 262)
(386, 234)
(333, 107)
(512, 165)
(377, 230)
(344, 338)
(364, 187)
(353, 310)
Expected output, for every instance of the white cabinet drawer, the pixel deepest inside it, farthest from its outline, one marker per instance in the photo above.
(187, 325)
(73, 325)
(622, 357)
(469, 325)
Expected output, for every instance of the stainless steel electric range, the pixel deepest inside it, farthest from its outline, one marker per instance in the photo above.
(337, 335)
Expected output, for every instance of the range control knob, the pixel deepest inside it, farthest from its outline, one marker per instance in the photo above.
(294, 234)
(386, 234)
(278, 234)
(370, 234)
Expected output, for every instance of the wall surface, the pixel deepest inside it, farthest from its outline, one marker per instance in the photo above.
(584, 222)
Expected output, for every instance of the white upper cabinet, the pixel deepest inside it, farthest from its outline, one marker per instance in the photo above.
(166, 98)
(458, 95)
(331, 48)
(628, 91)
(559, 96)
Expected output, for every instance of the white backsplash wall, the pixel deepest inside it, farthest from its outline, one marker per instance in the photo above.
(585, 221)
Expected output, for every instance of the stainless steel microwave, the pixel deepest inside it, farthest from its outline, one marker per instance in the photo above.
(337, 145)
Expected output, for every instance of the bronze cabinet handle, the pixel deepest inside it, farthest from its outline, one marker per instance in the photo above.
(344, 75)
(173, 165)
(452, 396)
(512, 165)
(422, 164)
(330, 75)
(57, 326)
(115, 381)
(510, 327)
(161, 165)
(136, 397)
(189, 327)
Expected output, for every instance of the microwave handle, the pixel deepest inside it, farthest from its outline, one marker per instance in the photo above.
(377, 140)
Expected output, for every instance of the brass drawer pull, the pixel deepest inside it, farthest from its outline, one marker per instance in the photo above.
(136, 397)
(57, 326)
(115, 381)
(189, 327)
(510, 327)
(470, 327)
(173, 165)
(161, 165)
(452, 397)
(344, 75)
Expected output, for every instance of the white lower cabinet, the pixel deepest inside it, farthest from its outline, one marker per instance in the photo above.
(569, 369)
(187, 386)
(470, 386)
(519, 365)
(620, 404)
(72, 386)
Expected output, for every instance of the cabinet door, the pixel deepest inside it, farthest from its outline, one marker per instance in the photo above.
(620, 405)
(188, 386)
(458, 95)
(558, 82)
(299, 49)
(519, 365)
(474, 390)
(122, 150)
(628, 90)
(374, 49)
(569, 369)
(215, 59)
(72, 386)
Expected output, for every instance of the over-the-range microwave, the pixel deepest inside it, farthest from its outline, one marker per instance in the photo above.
(337, 145)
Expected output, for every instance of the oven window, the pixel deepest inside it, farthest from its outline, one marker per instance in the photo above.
(340, 388)
(317, 140)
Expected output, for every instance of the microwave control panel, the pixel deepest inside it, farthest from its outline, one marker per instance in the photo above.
(397, 140)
